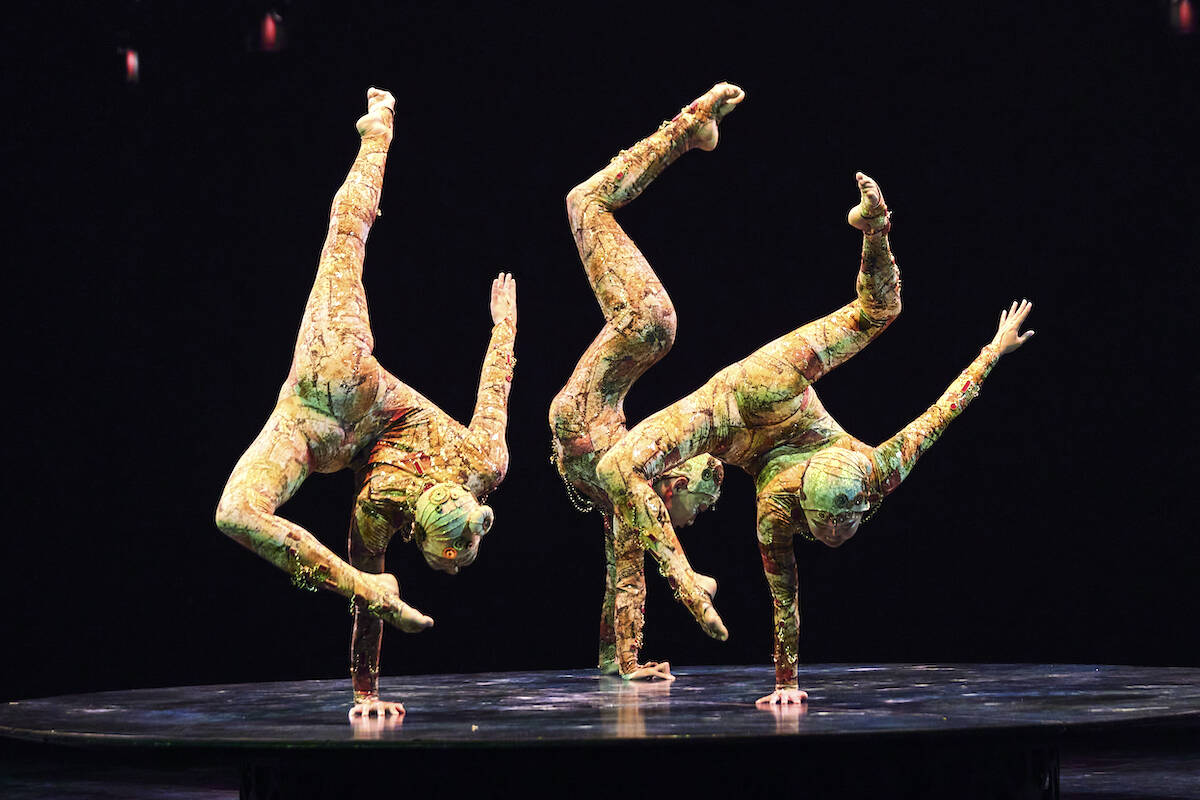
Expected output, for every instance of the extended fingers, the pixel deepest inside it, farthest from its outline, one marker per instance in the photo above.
(1016, 313)
(380, 708)
(503, 283)
(654, 669)
(783, 697)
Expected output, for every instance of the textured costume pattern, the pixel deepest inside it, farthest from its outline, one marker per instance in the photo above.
(340, 408)
(587, 416)
(763, 415)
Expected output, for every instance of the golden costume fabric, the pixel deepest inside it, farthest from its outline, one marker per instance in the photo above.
(340, 408)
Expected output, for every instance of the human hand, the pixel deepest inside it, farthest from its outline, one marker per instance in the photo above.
(783, 697)
(1008, 336)
(373, 706)
(651, 670)
(504, 298)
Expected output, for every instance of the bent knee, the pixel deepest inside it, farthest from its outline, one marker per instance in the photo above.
(561, 408)
(577, 199)
(883, 314)
(654, 323)
(582, 198)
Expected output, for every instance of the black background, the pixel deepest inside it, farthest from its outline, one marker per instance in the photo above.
(162, 238)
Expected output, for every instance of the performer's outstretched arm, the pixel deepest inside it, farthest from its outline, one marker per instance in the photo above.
(485, 443)
(895, 458)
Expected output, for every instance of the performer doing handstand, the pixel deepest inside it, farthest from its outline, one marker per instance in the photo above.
(587, 417)
(416, 467)
(762, 415)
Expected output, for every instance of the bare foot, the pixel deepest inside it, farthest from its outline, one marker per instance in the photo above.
(708, 617)
(710, 108)
(871, 214)
(409, 619)
(380, 116)
(783, 697)
(387, 605)
(376, 708)
(710, 620)
(650, 671)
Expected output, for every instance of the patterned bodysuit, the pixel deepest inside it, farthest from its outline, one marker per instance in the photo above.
(423, 447)
(763, 415)
(587, 417)
(340, 408)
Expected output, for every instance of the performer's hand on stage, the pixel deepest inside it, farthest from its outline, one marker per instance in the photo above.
(1008, 335)
(504, 298)
(374, 707)
(783, 697)
(651, 670)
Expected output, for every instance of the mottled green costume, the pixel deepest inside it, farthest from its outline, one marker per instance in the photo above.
(763, 415)
(587, 417)
(340, 408)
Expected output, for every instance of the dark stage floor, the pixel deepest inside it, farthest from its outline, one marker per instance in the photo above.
(1112, 724)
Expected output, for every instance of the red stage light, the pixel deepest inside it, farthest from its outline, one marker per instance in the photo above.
(270, 32)
(1186, 18)
(131, 66)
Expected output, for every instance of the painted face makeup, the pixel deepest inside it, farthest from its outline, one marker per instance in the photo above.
(833, 529)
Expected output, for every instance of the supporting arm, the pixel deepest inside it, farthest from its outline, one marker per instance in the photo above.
(626, 473)
(779, 566)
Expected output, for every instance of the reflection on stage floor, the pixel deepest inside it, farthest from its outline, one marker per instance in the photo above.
(936, 728)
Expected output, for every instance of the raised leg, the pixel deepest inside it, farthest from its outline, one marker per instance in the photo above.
(626, 288)
(333, 383)
(333, 367)
(816, 348)
(587, 415)
(639, 316)
(871, 216)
